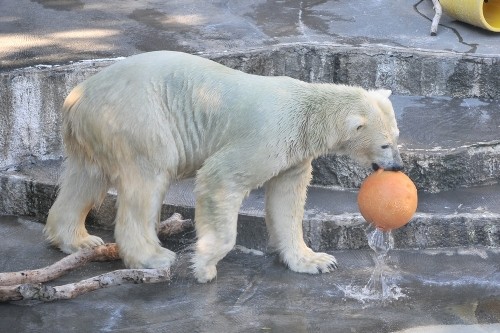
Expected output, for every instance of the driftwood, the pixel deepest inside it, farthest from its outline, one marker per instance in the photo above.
(40, 292)
(437, 17)
(26, 285)
(106, 252)
(174, 225)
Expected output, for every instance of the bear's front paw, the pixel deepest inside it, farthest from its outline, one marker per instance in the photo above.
(80, 243)
(308, 261)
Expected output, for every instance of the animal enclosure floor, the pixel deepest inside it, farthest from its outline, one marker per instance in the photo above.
(455, 287)
(42, 32)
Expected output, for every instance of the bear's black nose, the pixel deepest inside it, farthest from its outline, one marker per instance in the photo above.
(395, 167)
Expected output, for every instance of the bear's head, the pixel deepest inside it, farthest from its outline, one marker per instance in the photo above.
(373, 132)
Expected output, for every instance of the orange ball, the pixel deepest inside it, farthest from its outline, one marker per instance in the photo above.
(388, 199)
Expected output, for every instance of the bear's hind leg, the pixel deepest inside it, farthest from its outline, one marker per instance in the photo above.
(140, 196)
(82, 187)
(216, 216)
(285, 199)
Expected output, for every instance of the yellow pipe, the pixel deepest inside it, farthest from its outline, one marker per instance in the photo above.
(481, 13)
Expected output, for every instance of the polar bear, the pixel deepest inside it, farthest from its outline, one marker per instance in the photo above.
(155, 117)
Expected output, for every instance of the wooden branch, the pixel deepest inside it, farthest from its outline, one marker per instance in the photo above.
(106, 252)
(26, 285)
(31, 291)
(174, 225)
(437, 17)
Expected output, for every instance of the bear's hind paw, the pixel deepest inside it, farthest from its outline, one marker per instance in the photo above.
(205, 274)
(161, 258)
(310, 262)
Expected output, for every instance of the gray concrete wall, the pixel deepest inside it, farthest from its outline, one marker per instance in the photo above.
(30, 98)
(406, 72)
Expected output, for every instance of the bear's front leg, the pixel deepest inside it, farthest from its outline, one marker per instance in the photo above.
(285, 199)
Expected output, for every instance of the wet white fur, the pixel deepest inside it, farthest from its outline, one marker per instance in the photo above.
(160, 116)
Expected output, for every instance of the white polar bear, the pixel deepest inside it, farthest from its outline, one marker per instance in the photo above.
(155, 117)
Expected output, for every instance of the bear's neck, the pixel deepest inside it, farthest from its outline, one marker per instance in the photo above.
(325, 108)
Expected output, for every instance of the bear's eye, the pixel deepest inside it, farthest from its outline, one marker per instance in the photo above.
(359, 127)
(384, 146)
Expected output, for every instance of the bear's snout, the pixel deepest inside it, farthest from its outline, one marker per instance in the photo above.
(390, 160)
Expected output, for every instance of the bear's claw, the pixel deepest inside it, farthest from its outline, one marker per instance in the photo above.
(333, 266)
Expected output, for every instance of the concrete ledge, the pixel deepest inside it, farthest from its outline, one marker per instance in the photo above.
(445, 143)
(431, 170)
(31, 98)
(464, 217)
(405, 71)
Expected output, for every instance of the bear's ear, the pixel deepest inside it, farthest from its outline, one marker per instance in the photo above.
(355, 123)
(384, 92)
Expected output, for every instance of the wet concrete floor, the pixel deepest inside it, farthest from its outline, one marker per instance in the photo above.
(457, 288)
(449, 123)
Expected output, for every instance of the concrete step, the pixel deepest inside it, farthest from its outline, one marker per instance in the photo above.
(446, 142)
(459, 217)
